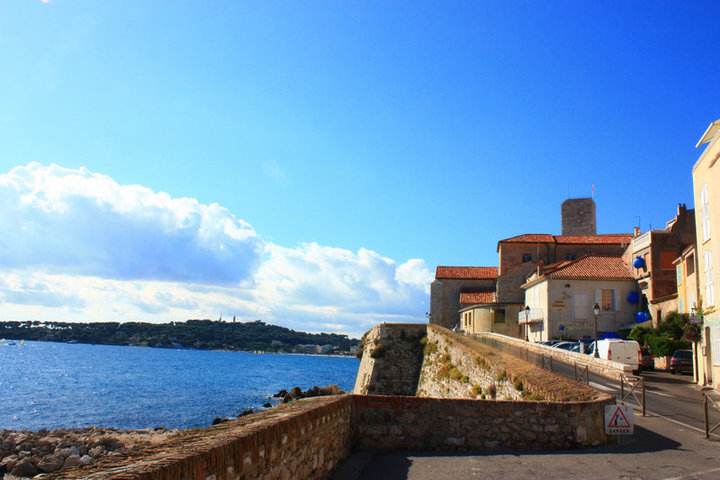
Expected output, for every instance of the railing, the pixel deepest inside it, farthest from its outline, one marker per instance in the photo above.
(635, 385)
(708, 393)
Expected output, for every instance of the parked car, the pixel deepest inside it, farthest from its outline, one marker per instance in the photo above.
(549, 343)
(569, 346)
(681, 361)
(617, 350)
(647, 362)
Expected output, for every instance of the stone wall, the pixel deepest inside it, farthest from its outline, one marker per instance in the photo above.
(412, 423)
(305, 439)
(392, 355)
(459, 366)
(451, 371)
(520, 348)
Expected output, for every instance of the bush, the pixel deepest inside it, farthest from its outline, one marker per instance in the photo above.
(455, 374)
(673, 325)
(640, 333)
(492, 391)
(518, 384)
(501, 376)
(663, 345)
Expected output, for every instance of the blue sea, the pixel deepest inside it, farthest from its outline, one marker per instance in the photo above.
(58, 385)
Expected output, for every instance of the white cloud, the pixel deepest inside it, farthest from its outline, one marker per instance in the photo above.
(76, 245)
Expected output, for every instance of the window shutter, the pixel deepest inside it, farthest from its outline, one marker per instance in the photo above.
(614, 300)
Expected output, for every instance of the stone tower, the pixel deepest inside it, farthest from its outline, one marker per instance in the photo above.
(578, 216)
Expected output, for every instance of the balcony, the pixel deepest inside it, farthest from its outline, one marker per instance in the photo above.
(535, 315)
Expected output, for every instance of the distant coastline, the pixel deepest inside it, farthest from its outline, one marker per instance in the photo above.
(253, 337)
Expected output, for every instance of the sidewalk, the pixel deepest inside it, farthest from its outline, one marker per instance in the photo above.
(659, 450)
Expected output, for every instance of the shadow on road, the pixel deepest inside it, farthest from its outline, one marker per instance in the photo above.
(396, 465)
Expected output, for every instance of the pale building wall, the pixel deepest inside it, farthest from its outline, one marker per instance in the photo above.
(567, 307)
(706, 174)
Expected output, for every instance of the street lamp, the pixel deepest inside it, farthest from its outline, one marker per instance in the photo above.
(596, 311)
(527, 325)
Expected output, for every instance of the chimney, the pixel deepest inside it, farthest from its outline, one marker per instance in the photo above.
(681, 208)
(636, 232)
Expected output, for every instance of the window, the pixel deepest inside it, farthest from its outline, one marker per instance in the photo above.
(709, 293)
(500, 315)
(715, 344)
(705, 212)
(570, 256)
(526, 257)
(679, 273)
(690, 265)
(607, 300)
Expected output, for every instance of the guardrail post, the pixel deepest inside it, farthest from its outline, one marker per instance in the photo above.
(551, 360)
(643, 398)
(575, 377)
(622, 388)
(587, 375)
(707, 417)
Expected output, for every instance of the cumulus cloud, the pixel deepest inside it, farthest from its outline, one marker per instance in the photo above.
(77, 245)
(75, 221)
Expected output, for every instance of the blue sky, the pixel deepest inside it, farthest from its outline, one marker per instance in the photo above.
(420, 131)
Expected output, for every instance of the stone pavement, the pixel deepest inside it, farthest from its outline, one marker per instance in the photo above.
(659, 450)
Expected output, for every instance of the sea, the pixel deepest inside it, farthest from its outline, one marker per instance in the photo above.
(60, 385)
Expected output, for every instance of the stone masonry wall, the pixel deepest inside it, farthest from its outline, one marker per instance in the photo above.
(412, 423)
(452, 372)
(390, 365)
(305, 439)
(513, 346)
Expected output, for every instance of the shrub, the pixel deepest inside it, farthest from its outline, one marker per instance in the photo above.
(465, 379)
(475, 390)
(673, 325)
(454, 373)
(639, 333)
(518, 384)
(501, 376)
(481, 363)
(664, 345)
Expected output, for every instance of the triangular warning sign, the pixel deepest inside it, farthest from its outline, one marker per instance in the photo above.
(618, 419)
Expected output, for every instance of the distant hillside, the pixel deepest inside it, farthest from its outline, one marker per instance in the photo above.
(200, 334)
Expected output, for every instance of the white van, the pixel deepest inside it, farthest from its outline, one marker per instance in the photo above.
(623, 351)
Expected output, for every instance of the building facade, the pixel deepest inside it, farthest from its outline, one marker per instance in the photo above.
(452, 281)
(652, 256)
(561, 299)
(706, 186)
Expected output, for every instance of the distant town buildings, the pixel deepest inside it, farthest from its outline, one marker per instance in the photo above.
(550, 286)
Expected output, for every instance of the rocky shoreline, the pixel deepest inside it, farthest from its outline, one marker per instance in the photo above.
(44, 453)
(25, 454)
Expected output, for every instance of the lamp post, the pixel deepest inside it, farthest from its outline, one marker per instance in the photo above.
(527, 325)
(596, 311)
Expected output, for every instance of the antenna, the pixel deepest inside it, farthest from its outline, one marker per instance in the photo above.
(592, 195)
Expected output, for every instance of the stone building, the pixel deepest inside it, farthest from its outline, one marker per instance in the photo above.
(450, 283)
(706, 186)
(518, 257)
(578, 216)
(561, 298)
(653, 254)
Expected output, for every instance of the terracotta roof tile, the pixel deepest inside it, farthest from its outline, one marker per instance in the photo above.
(466, 273)
(589, 268)
(473, 298)
(601, 239)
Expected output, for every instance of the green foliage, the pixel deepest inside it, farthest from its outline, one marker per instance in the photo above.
(663, 345)
(200, 334)
(454, 373)
(465, 379)
(639, 333)
(476, 390)
(673, 325)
